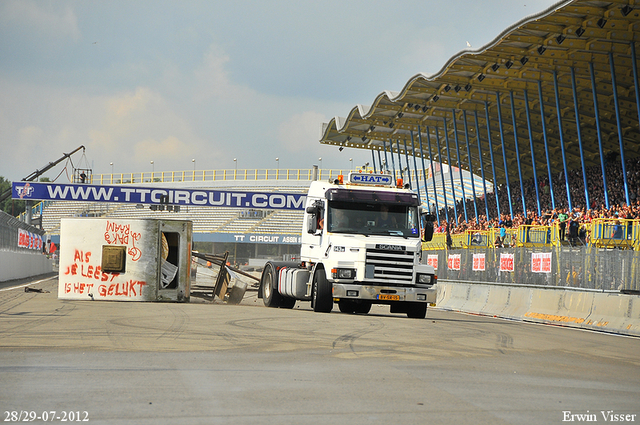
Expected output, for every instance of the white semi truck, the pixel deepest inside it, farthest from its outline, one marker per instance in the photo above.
(361, 245)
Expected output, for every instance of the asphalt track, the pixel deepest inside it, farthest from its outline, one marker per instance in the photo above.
(202, 362)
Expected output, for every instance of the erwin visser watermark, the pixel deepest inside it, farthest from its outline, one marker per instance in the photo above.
(603, 416)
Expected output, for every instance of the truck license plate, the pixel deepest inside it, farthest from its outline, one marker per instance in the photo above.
(387, 297)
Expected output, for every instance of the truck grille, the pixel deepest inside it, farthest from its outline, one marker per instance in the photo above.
(385, 267)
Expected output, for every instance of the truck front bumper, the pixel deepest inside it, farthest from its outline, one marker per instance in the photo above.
(384, 294)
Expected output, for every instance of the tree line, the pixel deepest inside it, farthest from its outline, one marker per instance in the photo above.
(15, 207)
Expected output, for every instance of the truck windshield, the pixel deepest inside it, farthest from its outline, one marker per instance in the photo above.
(373, 219)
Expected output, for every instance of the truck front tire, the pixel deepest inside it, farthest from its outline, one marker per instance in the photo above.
(321, 296)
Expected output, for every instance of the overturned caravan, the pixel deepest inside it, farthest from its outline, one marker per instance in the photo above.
(361, 245)
(125, 259)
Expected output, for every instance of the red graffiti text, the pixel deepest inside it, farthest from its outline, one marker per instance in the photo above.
(127, 289)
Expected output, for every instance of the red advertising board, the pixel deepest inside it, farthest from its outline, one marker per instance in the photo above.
(29, 240)
(478, 262)
(507, 263)
(541, 262)
(432, 260)
(454, 261)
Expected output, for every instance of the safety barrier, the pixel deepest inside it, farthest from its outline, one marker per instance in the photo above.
(21, 265)
(21, 250)
(603, 311)
(600, 233)
(615, 233)
(233, 174)
(576, 267)
(214, 175)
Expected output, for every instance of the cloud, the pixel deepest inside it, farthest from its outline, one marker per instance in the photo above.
(301, 131)
(129, 128)
(213, 80)
(33, 17)
(139, 126)
(166, 149)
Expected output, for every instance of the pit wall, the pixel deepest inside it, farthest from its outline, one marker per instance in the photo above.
(595, 310)
(21, 265)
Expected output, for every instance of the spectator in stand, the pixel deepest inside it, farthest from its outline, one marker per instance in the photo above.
(503, 233)
(562, 224)
(617, 230)
(574, 226)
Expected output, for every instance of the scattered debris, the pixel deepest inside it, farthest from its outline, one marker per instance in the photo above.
(38, 290)
(222, 274)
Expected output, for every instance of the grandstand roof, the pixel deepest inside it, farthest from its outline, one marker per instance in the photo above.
(527, 60)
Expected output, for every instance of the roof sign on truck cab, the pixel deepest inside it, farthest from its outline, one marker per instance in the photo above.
(371, 179)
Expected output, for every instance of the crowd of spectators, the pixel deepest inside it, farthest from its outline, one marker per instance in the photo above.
(572, 223)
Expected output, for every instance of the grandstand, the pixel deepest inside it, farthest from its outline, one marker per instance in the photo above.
(555, 94)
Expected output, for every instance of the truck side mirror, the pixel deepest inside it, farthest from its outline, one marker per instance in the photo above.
(312, 222)
(315, 217)
(427, 220)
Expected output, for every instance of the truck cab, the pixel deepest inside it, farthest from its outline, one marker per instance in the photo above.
(361, 245)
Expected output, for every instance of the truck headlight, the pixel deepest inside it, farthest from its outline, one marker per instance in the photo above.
(424, 278)
(343, 273)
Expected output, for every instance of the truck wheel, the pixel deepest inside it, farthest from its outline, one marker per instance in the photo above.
(321, 297)
(270, 295)
(417, 310)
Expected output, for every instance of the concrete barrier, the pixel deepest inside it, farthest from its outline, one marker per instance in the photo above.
(477, 297)
(559, 306)
(453, 296)
(519, 299)
(611, 312)
(20, 265)
(615, 311)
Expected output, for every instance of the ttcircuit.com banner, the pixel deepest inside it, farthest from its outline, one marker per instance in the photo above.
(155, 195)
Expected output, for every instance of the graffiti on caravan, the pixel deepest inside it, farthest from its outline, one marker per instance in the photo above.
(155, 195)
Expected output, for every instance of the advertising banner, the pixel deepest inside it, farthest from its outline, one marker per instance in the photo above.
(154, 195)
(29, 240)
(478, 262)
(259, 238)
(507, 263)
(541, 262)
(432, 260)
(454, 261)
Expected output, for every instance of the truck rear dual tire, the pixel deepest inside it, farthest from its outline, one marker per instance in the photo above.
(270, 295)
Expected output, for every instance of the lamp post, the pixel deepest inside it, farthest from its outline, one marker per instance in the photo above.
(235, 164)
(194, 168)
(153, 169)
(320, 159)
(111, 163)
(350, 164)
(278, 166)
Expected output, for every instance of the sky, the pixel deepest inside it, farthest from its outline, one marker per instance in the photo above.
(173, 81)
